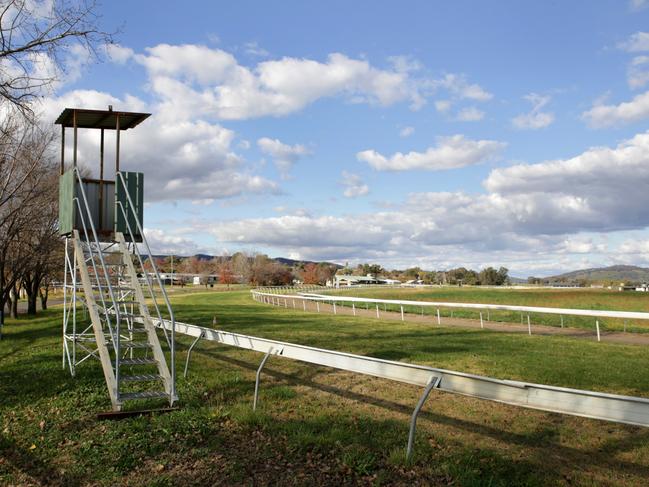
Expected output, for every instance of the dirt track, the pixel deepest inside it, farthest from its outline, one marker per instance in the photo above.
(612, 337)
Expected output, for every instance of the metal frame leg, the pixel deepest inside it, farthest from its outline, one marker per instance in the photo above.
(434, 382)
(270, 352)
(189, 352)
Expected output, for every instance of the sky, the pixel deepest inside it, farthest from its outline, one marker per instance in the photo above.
(435, 134)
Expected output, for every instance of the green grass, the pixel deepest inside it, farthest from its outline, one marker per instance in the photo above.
(315, 425)
(593, 299)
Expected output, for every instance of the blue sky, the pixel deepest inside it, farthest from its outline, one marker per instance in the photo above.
(421, 133)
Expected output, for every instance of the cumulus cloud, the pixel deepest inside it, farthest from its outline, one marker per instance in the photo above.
(603, 115)
(461, 88)
(182, 159)
(636, 42)
(210, 81)
(354, 186)
(638, 72)
(443, 106)
(162, 242)
(284, 155)
(535, 119)
(470, 114)
(549, 208)
(449, 153)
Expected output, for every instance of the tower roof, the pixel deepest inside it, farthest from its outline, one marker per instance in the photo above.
(100, 119)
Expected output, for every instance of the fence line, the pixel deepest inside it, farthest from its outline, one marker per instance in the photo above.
(260, 294)
(575, 402)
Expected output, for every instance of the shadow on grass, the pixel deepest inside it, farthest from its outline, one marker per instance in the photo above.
(540, 440)
(27, 463)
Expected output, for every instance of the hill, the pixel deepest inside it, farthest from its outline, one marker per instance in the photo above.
(621, 273)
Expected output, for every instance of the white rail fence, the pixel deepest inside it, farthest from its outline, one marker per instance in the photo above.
(281, 296)
(597, 405)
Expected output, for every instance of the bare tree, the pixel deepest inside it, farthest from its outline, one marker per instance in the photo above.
(25, 167)
(38, 39)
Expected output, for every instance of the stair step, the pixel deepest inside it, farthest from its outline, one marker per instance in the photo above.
(140, 378)
(137, 361)
(115, 288)
(126, 396)
(129, 344)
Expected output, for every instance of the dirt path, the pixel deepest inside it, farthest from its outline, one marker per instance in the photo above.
(581, 333)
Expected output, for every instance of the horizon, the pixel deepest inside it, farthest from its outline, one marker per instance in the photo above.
(429, 135)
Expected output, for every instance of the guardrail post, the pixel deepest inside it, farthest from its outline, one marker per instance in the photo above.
(561, 321)
(401, 313)
(304, 304)
(334, 307)
(625, 326)
(294, 304)
(377, 311)
(597, 326)
(257, 377)
(481, 322)
(354, 309)
(439, 318)
(317, 305)
(189, 352)
(434, 382)
(529, 325)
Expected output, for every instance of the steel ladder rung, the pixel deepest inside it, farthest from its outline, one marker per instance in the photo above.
(138, 361)
(127, 396)
(140, 378)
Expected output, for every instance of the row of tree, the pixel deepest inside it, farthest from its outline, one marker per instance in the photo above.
(33, 34)
(488, 276)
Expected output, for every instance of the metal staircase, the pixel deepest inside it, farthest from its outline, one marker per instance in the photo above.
(106, 313)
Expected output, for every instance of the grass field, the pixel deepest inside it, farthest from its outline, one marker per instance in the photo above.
(317, 425)
(595, 299)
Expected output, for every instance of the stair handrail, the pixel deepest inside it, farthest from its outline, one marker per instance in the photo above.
(172, 345)
(148, 283)
(115, 336)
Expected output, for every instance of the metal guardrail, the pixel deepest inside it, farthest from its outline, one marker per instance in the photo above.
(589, 404)
(273, 293)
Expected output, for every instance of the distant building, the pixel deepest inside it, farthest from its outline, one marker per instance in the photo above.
(347, 280)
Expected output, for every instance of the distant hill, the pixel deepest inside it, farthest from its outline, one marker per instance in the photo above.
(281, 260)
(621, 273)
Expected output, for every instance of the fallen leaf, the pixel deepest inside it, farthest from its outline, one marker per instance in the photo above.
(33, 447)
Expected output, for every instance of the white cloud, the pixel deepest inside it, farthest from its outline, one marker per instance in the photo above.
(638, 72)
(406, 131)
(636, 42)
(354, 186)
(449, 153)
(443, 106)
(602, 115)
(555, 211)
(285, 156)
(162, 242)
(207, 81)
(191, 160)
(253, 49)
(535, 119)
(470, 114)
(461, 88)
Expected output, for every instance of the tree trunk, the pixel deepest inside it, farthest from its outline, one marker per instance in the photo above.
(13, 312)
(44, 292)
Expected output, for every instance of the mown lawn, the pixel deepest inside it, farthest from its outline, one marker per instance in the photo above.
(584, 298)
(317, 426)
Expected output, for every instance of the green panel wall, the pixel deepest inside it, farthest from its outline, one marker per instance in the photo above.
(66, 203)
(135, 188)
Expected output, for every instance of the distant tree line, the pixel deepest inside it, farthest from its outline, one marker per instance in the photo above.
(488, 276)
